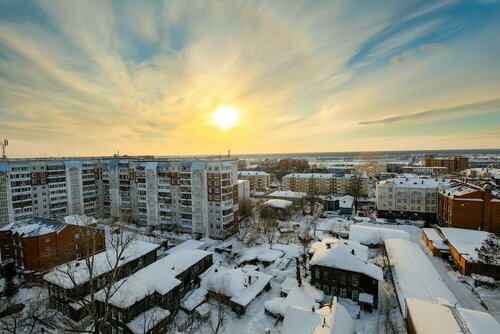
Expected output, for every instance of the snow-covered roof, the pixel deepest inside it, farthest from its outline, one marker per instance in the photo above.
(288, 284)
(36, 226)
(331, 319)
(241, 285)
(447, 319)
(298, 296)
(360, 250)
(188, 244)
(287, 194)
(159, 277)
(278, 203)
(414, 182)
(310, 175)
(74, 273)
(183, 259)
(154, 278)
(346, 202)
(147, 320)
(261, 253)
(252, 173)
(80, 220)
(435, 238)
(414, 275)
(299, 321)
(342, 255)
(464, 241)
(368, 235)
(193, 299)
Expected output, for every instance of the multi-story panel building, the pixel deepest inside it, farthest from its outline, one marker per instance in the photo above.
(198, 196)
(259, 181)
(408, 198)
(312, 183)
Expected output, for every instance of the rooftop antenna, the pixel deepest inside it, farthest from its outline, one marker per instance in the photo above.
(4, 144)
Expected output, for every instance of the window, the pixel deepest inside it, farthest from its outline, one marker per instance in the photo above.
(343, 293)
(355, 295)
(355, 280)
(326, 289)
(343, 278)
(316, 273)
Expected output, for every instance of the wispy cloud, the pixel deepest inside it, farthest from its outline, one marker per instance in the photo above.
(453, 111)
(147, 75)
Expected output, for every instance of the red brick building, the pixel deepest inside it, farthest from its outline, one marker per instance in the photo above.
(40, 244)
(465, 205)
(453, 164)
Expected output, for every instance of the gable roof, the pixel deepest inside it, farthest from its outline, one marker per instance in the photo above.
(341, 256)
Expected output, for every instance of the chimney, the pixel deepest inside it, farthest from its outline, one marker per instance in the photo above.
(249, 279)
(352, 252)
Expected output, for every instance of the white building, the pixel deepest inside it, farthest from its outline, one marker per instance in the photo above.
(243, 190)
(259, 181)
(195, 196)
(408, 198)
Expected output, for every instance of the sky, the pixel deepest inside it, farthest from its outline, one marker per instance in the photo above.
(145, 77)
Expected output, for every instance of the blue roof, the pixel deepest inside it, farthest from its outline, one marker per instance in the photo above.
(4, 166)
(72, 164)
(151, 165)
(114, 162)
(198, 165)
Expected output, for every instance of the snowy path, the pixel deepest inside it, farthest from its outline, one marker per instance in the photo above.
(466, 298)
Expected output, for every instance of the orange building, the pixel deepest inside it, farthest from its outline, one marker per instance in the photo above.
(464, 205)
(40, 244)
(453, 164)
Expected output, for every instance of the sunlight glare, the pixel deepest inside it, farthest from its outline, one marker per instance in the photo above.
(226, 117)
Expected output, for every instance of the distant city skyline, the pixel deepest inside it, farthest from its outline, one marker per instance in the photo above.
(93, 78)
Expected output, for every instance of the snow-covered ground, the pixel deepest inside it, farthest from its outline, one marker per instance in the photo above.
(478, 299)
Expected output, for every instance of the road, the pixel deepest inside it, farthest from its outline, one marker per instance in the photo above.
(466, 298)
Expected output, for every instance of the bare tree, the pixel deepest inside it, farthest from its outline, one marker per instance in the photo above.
(355, 188)
(118, 240)
(265, 224)
(21, 312)
(305, 238)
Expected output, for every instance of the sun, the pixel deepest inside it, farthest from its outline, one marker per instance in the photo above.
(225, 117)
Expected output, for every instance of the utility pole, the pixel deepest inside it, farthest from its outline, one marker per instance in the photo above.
(4, 145)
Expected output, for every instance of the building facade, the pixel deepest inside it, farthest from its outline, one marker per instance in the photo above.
(422, 170)
(408, 198)
(157, 291)
(465, 205)
(259, 181)
(323, 184)
(69, 283)
(453, 164)
(198, 196)
(40, 244)
(341, 268)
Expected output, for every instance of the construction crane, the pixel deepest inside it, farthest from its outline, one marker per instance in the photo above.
(4, 144)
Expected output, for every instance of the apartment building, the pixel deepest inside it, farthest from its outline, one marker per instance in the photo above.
(198, 196)
(408, 198)
(422, 170)
(323, 183)
(468, 206)
(259, 181)
(453, 164)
